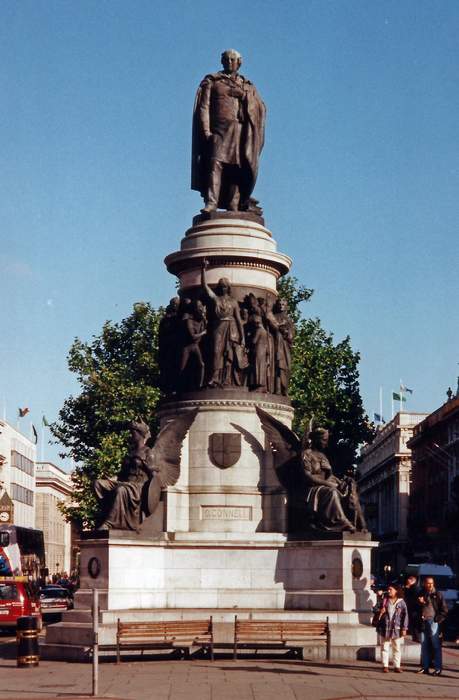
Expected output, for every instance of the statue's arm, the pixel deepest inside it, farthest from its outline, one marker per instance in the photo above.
(204, 107)
(237, 316)
(193, 335)
(315, 479)
(204, 284)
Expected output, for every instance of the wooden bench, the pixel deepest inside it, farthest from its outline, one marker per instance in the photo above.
(167, 634)
(279, 634)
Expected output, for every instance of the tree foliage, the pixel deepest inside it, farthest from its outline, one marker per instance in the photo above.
(119, 377)
(324, 385)
(118, 374)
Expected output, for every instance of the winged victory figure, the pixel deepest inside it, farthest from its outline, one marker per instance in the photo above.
(317, 499)
(145, 470)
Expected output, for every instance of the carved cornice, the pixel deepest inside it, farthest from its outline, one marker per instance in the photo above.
(233, 490)
(230, 404)
(188, 259)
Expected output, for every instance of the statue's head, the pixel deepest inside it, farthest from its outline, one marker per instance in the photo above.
(252, 301)
(281, 305)
(231, 61)
(319, 438)
(223, 286)
(173, 305)
(139, 428)
(199, 309)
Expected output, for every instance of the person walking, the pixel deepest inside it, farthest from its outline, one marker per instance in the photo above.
(392, 627)
(432, 611)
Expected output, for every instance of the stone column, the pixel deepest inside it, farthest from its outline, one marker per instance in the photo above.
(227, 482)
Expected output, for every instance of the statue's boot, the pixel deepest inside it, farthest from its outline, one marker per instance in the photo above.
(215, 183)
(235, 198)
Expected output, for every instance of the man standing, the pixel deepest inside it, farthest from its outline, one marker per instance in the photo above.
(228, 136)
(432, 611)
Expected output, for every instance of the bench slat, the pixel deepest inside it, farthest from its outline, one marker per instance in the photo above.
(164, 634)
(279, 634)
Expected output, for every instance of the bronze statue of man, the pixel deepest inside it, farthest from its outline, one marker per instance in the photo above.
(228, 136)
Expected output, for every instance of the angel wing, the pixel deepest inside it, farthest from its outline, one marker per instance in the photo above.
(165, 457)
(165, 454)
(285, 446)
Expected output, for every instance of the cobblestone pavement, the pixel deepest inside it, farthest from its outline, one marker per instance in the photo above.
(247, 679)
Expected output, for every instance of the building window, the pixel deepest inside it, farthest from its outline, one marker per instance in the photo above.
(21, 462)
(21, 494)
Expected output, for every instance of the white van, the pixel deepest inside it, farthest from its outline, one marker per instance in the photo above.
(443, 575)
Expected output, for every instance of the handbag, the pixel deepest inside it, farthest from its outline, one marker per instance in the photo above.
(377, 616)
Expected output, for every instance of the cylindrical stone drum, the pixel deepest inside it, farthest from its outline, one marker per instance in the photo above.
(27, 642)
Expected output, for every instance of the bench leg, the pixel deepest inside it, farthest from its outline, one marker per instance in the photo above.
(118, 655)
(235, 653)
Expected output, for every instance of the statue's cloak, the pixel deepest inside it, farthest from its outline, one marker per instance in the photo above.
(252, 140)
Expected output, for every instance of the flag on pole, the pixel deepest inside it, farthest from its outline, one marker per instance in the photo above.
(23, 412)
(45, 422)
(35, 434)
(405, 389)
(378, 418)
(398, 397)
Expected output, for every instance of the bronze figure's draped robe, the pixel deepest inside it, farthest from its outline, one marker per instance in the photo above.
(123, 495)
(135, 493)
(318, 500)
(228, 130)
(323, 500)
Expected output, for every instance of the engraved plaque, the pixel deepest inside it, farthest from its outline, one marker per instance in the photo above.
(226, 513)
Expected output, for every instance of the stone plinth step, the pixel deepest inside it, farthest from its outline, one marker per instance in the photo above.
(64, 652)
(77, 615)
(227, 615)
(79, 633)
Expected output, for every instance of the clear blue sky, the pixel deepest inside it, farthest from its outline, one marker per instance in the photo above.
(359, 178)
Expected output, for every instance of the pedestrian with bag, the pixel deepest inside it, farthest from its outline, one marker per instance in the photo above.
(391, 621)
(432, 611)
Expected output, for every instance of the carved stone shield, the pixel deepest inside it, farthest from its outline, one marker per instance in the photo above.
(224, 449)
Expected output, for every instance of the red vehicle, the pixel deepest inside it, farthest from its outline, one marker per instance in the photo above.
(17, 598)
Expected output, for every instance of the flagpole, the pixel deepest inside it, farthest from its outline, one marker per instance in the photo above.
(380, 403)
(42, 443)
(401, 395)
(392, 404)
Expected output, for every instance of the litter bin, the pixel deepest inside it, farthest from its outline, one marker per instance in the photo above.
(27, 641)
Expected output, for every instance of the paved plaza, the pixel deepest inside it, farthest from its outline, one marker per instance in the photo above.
(247, 679)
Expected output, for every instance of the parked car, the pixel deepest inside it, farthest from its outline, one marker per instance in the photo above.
(445, 581)
(17, 598)
(55, 599)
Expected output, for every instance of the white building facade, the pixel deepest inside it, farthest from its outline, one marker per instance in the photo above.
(384, 485)
(17, 473)
(53, 486)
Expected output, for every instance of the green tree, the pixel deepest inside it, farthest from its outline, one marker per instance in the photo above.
(119, 377)
(324, 384)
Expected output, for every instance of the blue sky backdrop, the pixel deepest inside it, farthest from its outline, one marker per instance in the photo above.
(359, 176)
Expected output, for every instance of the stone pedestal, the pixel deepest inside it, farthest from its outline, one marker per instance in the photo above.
(227, 570)
(227, 482)
(223, 493)
(241, 250)
(217, 543)
(185, 576)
